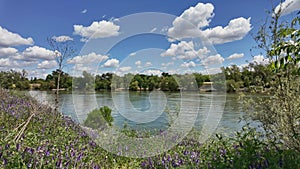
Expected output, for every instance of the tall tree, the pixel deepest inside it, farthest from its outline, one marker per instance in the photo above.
(63, 50)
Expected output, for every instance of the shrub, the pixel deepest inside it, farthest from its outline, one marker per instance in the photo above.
(99, 118)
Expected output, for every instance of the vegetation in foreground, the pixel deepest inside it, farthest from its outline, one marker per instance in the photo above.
(34, 136)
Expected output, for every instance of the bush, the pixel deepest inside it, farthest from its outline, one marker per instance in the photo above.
(99, 118)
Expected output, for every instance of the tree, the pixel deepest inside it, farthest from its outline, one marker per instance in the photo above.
(280, 113)
(14, 80)
(63, 50)
(84, 83)
(98, 118)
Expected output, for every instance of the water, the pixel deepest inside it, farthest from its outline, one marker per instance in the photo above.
(155, 110)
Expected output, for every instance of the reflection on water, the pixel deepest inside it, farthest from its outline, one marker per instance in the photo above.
(196, 107)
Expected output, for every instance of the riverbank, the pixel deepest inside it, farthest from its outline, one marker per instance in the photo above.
(35, 136)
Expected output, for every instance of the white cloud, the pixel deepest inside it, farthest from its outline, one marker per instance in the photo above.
(87, 59)
(8, 63)
(36, 52)
(132, 54)
(288, 6)
(111, 63)
(84, 11)
(40, 73)
(28, 63)
(83, 67)
(153, 30)
(212, 60)
(259, 59)
(235, 56)
(235, 30)
(191, 20)
(12, 39)
(147, 64)
(152, 72)
(185, 50)
(62, 38)
(211, 71)
(190, 64)
(101, 29)
(138, 63)
(167, 64)
(125, 69)
(6, 52)
(47, 64)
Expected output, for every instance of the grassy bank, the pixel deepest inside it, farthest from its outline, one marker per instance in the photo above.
(35, 136)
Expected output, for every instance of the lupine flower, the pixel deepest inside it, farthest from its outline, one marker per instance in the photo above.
(17, 146)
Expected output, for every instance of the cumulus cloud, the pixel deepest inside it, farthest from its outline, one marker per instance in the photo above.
(147, 64)
(6, 52)
(152, 72)
(87, 59)
(62, 38)
(84, 11)
(179, 48)
(185, 50)
(132, 54)
(101, 29)
(210, 71)
(125, 69)
(12, 39)
(47, 64)
(212, 60)
(111, 63)
(6, 62)
(235, 30)
(288, 6)
(191, 20)
(40, 73)
(190, 64)
(167, 64)
(235, 56)
(36, 53)
(138, 63)
(260, 59)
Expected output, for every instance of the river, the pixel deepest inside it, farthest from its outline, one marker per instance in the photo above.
(155, 110)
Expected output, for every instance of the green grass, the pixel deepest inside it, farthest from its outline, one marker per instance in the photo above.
(50, 140)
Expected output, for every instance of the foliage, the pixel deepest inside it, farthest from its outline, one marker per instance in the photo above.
(14, 80)
(84, 82)
(99, 118)
(52, 79)
(247, 149)
(51, 140)
(279, 113)
(106, 113)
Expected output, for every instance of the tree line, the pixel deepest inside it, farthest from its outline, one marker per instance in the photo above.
(232, 79)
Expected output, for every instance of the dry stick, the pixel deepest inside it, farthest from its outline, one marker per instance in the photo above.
(14, 130)
(18, 136)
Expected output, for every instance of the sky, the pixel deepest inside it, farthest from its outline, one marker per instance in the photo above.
(133, 36)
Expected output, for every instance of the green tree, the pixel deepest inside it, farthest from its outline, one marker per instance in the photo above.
(85, 82)
(99, 118)
(280, 113)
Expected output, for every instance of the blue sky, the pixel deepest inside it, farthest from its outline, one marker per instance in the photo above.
(108, 37)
